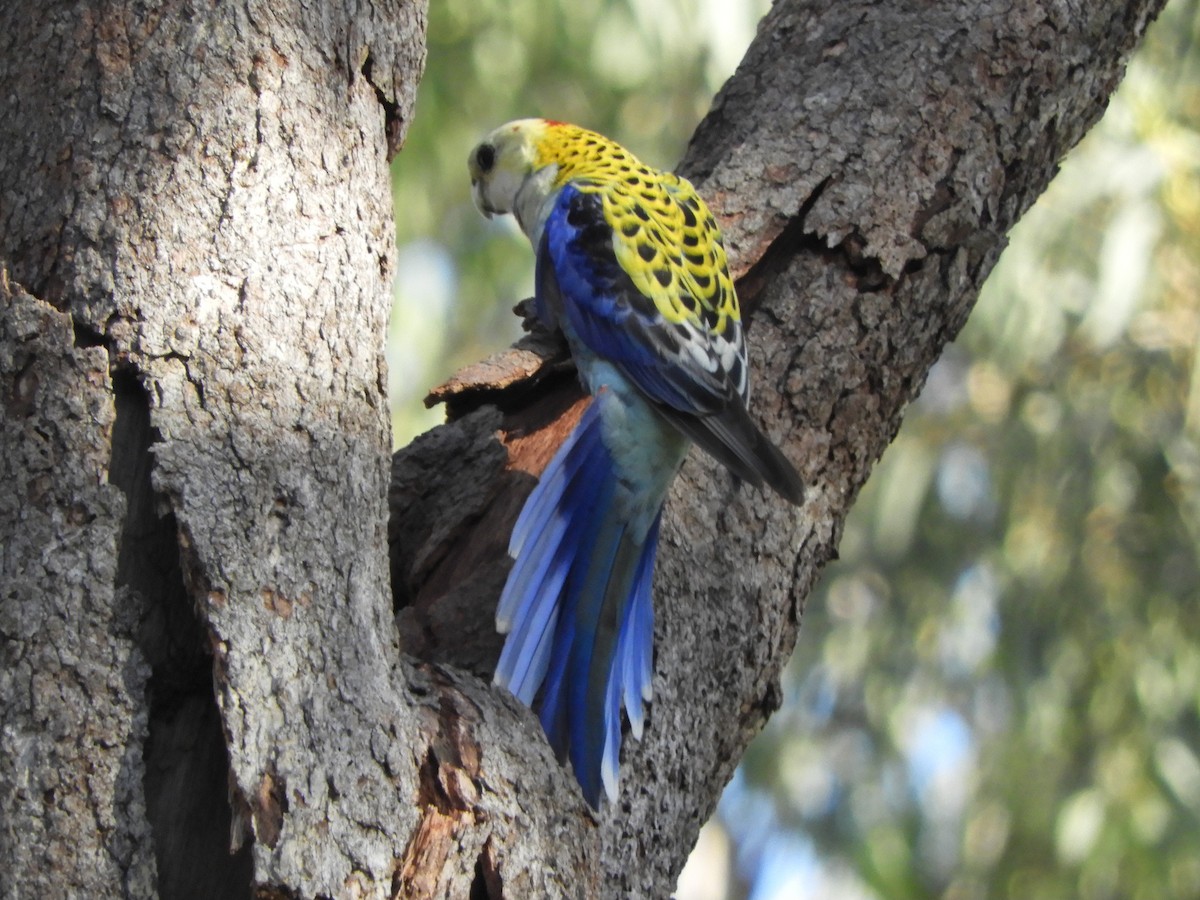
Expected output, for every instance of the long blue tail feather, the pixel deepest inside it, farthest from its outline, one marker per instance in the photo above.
(529, 607)
(558, 700)
(540, 509)
(534, 585)
(635, 650)
(596, 674)
(577, 608)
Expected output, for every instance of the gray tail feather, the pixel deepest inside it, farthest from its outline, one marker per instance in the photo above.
(732, 438)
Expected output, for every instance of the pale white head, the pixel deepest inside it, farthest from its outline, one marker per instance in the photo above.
(510, 173)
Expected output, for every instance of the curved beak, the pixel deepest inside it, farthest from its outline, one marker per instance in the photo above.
(481, 203)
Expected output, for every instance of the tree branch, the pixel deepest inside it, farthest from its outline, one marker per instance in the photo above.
(201, 192)
(865, 162)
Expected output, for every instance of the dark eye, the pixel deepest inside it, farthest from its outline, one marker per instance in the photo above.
(485, 157)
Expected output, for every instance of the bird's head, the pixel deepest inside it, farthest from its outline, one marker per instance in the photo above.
(518, 167)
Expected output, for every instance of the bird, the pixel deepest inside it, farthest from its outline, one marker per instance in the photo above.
(631, 268)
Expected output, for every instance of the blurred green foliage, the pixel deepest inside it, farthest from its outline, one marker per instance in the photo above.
(997, 688)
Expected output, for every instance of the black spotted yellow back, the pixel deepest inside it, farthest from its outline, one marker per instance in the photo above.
(631, 265)
(663, 236)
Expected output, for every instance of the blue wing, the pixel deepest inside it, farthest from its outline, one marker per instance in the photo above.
(582, 288)
(595, 298)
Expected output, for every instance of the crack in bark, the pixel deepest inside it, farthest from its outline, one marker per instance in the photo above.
(780, 252)
(87, 336)
(488, 883)
(393, 118)
(187, 768)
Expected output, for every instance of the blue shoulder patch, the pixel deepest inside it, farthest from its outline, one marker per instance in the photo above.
(582, 287)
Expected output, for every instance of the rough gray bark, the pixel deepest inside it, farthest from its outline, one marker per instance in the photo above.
(197, 227)
(195, 645)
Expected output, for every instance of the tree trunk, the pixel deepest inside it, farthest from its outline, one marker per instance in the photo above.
(197, 654)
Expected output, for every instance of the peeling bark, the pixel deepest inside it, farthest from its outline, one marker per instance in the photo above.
(202, 693)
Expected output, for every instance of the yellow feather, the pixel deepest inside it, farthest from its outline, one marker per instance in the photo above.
(664, 236)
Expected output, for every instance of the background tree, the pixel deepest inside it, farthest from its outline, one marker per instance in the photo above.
(195, 230)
